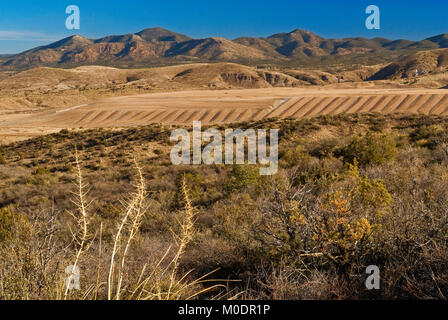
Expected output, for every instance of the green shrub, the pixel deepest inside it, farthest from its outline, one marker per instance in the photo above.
(373, 148)
(243, 176)
(425, 132)
(2, 159)
(293, 156)
(325, 147)
(235, 219)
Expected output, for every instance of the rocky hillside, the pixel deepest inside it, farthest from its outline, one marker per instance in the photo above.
(156, 44)
(44, 87)
(191, 76)
(419, 64)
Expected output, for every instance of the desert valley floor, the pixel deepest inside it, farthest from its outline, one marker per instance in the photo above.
(222, 106)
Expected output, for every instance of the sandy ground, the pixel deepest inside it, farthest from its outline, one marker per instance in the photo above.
(220, 107)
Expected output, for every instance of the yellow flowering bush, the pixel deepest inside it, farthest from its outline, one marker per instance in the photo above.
(352, 213)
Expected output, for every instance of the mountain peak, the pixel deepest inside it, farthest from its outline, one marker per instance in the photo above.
(441, 39)
(155, 30)
(72, 42)
(123, 38)
(301, 31)
(219, 39)
(305, 34)
(161, 35)
(76, 38)
(440, 36)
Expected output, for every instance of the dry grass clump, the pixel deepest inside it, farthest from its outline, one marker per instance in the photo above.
(159, 280)
(30, 257)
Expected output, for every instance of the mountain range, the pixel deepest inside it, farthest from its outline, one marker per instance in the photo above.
(156, 45)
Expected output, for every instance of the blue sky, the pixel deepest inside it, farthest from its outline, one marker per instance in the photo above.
(28, 23)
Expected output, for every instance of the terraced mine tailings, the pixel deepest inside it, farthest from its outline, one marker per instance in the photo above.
(227, 106)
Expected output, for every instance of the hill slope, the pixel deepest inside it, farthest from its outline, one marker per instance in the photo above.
(418, 64)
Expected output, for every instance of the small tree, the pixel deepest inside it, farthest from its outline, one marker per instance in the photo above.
(242, 176)
(373, 148)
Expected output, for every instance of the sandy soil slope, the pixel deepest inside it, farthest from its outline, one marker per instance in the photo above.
(223, 106)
